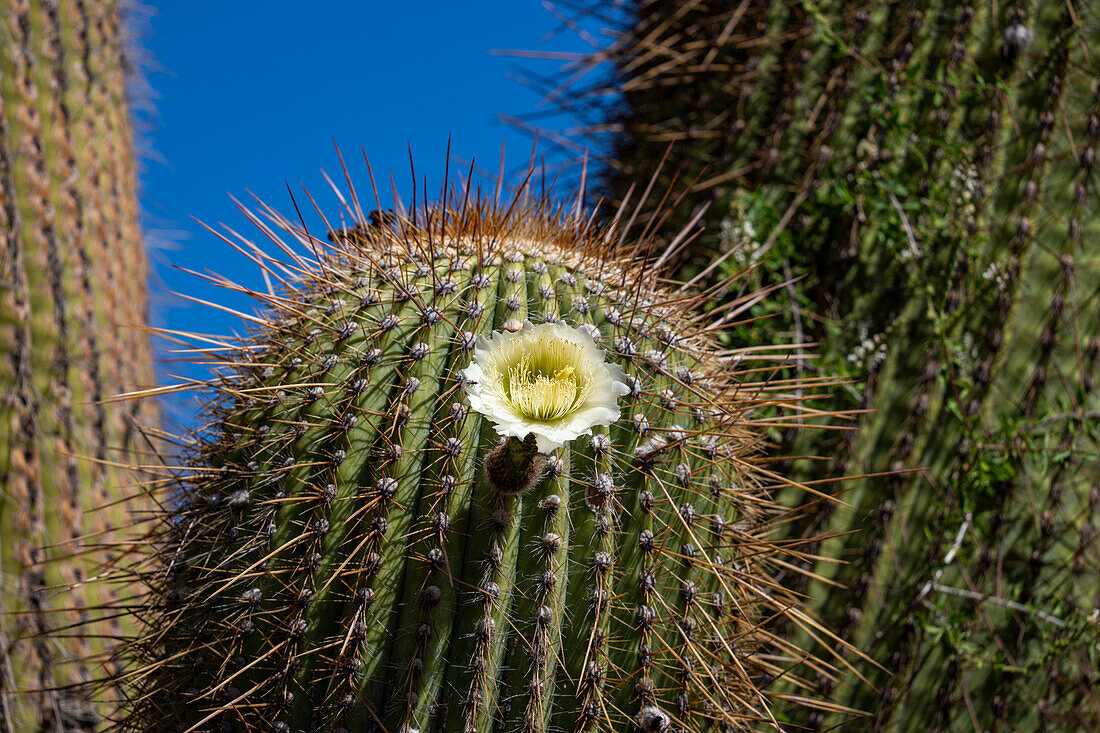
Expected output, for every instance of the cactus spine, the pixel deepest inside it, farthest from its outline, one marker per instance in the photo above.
(340, 561)
(73, 271)
(932, 165)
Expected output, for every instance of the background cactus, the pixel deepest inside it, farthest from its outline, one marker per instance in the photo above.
(73, 271)
(338, 561)
(931, 167)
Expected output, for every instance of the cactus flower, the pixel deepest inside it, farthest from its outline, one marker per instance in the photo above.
(549, 380)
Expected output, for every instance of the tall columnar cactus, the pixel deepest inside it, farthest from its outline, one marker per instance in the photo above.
(73, 273)
(932, 167)
(355, 548)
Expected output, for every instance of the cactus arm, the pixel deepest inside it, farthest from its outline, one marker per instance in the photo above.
(71, 248)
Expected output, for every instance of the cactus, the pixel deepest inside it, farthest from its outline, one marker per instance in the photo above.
(932, 167)
(350, 548)
(73, 271)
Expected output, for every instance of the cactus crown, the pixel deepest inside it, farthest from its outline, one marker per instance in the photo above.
(339, 560)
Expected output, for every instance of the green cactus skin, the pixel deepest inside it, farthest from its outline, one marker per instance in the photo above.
(339, 562)
(932, 166)
(73, 271)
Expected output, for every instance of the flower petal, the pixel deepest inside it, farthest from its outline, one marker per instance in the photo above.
(488, 393)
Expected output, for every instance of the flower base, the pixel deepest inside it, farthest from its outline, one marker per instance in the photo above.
(515, 466)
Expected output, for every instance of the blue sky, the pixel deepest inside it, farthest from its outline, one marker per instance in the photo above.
(249, 97)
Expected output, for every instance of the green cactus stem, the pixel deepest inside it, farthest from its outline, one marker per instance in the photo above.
(72, 302)
(357, 550)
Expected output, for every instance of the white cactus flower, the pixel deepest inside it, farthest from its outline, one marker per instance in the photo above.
(549, 380)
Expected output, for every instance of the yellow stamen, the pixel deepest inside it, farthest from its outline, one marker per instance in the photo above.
(544, 394)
